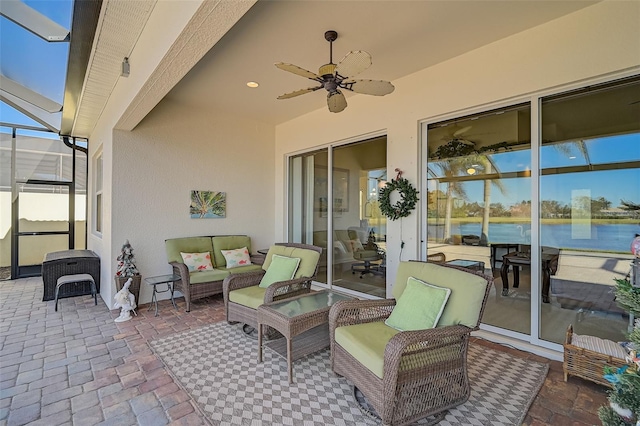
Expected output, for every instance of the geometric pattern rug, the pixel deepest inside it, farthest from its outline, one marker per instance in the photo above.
(217, 366)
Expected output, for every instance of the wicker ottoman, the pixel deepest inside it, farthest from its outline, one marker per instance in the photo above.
(586, 357)
(69, 262)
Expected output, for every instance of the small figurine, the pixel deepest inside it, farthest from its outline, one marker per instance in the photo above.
(126, 302)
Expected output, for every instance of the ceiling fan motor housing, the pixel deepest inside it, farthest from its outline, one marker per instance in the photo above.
(327, 70)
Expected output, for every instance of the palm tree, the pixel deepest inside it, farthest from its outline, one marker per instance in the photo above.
(203, 202)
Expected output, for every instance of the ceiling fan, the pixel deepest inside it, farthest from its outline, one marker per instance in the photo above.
(334, 77)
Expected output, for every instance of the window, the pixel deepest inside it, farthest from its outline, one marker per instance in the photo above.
(97, 178)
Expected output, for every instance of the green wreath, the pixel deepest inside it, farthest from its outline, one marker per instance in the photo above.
(404, 206)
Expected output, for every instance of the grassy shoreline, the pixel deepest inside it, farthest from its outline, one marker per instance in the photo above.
(554, 221)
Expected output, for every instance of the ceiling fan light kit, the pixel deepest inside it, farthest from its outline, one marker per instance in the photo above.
(333, 77)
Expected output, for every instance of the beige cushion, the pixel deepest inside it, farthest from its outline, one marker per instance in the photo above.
(308, 259)
(596, 344)
(251, 297)
(236, 257)
(197, 262)
(366, 342)
(467, 290)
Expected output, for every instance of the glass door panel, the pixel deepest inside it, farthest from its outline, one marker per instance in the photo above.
(590, 176)
(359, 229)
(308, 195)
(479, 204)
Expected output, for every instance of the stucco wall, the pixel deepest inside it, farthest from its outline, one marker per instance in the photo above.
(174, 151)
(597, 42)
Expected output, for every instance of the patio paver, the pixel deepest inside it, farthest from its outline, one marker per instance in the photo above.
(77, 366)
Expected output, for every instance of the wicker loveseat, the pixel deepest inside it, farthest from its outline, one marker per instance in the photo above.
(196, 285)
(409, 375)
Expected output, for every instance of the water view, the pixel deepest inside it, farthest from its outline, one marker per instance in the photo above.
(600, 237)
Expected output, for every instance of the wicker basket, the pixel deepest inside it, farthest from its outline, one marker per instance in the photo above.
(134, 288)
(586, 363)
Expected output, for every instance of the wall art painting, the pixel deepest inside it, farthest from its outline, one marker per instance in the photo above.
(208, 205)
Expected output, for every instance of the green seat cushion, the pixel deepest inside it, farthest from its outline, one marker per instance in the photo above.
(281, 268)
(366, 343)
(242, 269)
(199, 277)
(467, 290)
(308, 259)
(228, 242)
(174, 246)
(251, 297)
(419, 307)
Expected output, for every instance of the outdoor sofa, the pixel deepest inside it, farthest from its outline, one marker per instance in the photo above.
(196, 284)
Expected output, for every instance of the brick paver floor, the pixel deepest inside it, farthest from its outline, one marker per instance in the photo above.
(77, 366)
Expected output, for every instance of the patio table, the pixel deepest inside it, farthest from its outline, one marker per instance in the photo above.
(304, 319)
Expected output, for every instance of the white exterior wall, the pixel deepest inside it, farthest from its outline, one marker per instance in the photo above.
(174, 151)
(145, 179)
(602, 40)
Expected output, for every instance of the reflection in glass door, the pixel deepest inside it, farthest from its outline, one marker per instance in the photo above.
(589, 182)
(479, 205)
(334, 205)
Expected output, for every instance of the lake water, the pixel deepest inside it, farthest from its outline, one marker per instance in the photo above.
(606, 237)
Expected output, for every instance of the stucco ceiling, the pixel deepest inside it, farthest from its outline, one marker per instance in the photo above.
(402, 37)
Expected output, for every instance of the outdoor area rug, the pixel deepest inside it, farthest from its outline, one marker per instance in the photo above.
(217, 365)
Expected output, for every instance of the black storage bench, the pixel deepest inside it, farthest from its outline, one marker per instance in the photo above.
(69, 262)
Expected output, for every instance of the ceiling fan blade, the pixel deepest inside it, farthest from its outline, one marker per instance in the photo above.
(299, 92)
(369, 87)
(336, 101)
(461, 131)
(297, 70)
(353, 63)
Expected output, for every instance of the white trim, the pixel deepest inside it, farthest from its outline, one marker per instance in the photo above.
(550, 353)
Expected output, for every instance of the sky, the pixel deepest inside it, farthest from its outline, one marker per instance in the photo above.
(560, 187)
(33, 62)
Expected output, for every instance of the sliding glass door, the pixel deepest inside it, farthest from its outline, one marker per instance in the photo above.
(479, 204)
(333, 203)
(551, 220)
(589, 185)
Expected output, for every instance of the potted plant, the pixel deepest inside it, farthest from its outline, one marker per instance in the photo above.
(127, 269)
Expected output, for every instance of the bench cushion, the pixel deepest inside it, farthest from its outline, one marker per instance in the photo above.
(207, 276)
(366, 343)
(251, 297)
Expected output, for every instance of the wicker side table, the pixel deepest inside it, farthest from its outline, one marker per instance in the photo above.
(304, 319)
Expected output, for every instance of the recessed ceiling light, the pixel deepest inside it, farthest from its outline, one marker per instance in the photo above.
(573, 157)
(252, 84)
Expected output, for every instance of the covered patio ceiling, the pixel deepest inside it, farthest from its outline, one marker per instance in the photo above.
(402, 37)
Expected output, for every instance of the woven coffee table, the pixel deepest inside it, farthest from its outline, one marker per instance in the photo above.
(302, 320)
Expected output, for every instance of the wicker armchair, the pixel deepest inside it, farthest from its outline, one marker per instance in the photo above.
(438, 257)
(417, 373)
(242, 295)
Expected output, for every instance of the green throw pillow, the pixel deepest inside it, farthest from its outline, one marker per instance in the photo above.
(419, 307)
(282, 268)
